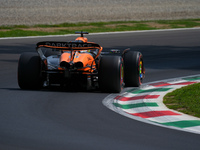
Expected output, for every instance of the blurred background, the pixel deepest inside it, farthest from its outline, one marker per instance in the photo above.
(30, 12)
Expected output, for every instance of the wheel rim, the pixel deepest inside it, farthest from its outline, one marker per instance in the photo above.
(140, 71)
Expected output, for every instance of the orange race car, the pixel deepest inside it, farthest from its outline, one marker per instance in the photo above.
(80, 64)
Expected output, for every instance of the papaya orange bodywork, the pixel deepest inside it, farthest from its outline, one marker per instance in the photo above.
(87, 60)
(65, 57)
(75, 55)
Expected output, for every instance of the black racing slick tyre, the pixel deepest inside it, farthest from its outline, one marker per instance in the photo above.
(29, 71)
(133, 69)
(111, 74)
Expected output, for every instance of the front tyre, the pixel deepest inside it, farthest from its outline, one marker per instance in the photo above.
(29, 71)
(111, 74)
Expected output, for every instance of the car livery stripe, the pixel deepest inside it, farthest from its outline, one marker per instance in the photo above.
(145, 104)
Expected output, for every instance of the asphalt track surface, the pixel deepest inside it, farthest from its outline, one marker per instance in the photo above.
(62, 120)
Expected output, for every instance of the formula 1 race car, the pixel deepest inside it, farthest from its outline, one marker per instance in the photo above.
(80, 64)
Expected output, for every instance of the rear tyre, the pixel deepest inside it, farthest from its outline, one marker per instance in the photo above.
(29, 71)
(133, 69)
(111, 74)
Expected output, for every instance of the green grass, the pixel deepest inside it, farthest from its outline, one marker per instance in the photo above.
(186, 23)
(70, 28)
(185, 99)
(18, 33)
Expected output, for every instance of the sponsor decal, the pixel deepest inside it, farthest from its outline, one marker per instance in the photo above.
(62, 44)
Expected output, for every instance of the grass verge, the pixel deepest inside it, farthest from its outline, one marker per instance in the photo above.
(70, 28)
(185, 99)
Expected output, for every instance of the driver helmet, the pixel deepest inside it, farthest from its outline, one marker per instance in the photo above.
(81, 39)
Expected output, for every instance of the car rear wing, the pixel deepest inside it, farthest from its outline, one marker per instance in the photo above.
(69, 45)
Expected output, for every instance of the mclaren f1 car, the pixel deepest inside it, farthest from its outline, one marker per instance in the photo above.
(80, 63)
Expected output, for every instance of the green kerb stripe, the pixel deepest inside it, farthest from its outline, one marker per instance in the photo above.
(150, 90)
(192, 78)
(129, 106)
(183, 124)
